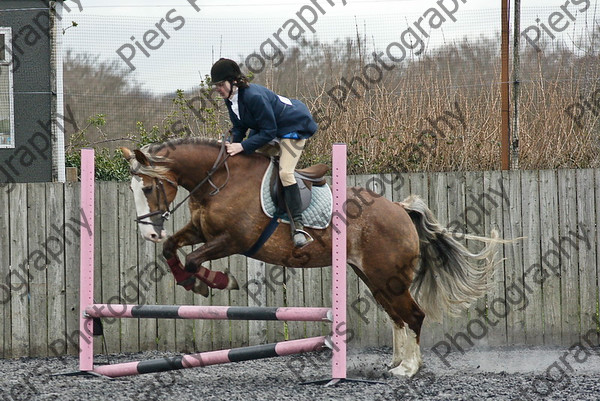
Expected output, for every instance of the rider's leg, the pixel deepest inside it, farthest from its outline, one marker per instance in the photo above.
(291, 150)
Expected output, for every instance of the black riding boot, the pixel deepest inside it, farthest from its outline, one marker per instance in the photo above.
(291, 194)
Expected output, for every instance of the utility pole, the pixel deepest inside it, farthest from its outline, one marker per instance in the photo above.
(504, 89)
(514, 156)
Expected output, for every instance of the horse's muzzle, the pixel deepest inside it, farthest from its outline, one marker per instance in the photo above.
(154, 236)
(152, 226)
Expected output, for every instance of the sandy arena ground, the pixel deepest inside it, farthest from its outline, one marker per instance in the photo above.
(492, 374)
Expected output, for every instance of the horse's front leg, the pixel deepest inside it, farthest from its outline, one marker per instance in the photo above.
(188, 235)
(216, 248)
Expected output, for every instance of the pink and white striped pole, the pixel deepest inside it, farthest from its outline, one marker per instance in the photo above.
(338, 259)
(86, 279)
(212, 357)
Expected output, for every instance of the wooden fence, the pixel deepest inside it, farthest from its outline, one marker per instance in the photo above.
(544, 292)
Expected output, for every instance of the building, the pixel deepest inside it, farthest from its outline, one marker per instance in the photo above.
(31, 135)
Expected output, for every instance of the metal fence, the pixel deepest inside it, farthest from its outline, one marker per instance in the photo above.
(368, 70)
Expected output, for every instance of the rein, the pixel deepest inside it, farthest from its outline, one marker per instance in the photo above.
(221, 160)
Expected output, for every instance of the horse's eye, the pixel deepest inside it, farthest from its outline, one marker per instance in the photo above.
(147, 190)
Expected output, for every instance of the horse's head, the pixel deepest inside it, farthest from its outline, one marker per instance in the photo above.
(154, 188)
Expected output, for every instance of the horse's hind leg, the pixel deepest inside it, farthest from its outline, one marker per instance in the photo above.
(407, 320)
(407, 360)
(393, 295)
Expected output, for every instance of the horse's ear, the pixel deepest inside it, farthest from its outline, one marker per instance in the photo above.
(141, 157)
(127, 154)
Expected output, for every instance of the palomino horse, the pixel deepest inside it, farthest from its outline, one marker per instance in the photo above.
(396, 248)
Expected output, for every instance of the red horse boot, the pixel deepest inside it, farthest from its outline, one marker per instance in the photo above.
(185, 279)
(216, 279)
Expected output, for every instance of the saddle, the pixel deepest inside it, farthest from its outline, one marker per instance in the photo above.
(306, 179)
(315, 194)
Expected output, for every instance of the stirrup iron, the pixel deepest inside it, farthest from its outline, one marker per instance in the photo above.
(301, 242)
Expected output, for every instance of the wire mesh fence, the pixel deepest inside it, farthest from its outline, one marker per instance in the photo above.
(410, 86)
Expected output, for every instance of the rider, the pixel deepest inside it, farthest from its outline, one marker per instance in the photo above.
(271, 118)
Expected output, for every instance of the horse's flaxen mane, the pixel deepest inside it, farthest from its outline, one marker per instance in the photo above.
(159, 172)
(150, 150)
(172, 144)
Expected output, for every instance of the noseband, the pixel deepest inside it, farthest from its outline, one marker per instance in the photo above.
(165, 214)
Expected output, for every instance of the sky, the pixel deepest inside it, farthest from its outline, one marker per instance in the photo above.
(284, 7)
(189, 39)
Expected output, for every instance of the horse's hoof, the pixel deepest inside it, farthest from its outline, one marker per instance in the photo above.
(405, 369)
(200, 288)
(232, 284)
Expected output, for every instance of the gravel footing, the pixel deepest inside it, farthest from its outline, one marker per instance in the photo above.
(491, 374)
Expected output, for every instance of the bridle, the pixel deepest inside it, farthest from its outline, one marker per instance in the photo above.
(166, 213)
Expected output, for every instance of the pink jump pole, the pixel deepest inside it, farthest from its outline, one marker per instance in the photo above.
(212, 357)
(86, 279)
(338, 311)
(338, 262)
(295, 314)
(338, 258)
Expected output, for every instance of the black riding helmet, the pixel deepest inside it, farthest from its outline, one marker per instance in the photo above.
(225, 70)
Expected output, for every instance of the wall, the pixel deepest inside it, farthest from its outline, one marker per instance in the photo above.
(31, 159)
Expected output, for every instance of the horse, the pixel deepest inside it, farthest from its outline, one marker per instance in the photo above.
(412, 265)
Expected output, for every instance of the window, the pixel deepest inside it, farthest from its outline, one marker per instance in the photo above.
(7, 122)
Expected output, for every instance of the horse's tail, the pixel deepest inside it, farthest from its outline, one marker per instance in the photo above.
(449, 277)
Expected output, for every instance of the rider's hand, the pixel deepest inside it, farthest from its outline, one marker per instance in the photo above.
(234, 148)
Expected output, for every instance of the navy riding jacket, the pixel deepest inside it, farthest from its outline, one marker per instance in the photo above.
(268, 116)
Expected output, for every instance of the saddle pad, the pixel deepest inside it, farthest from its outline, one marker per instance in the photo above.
(318, 213)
